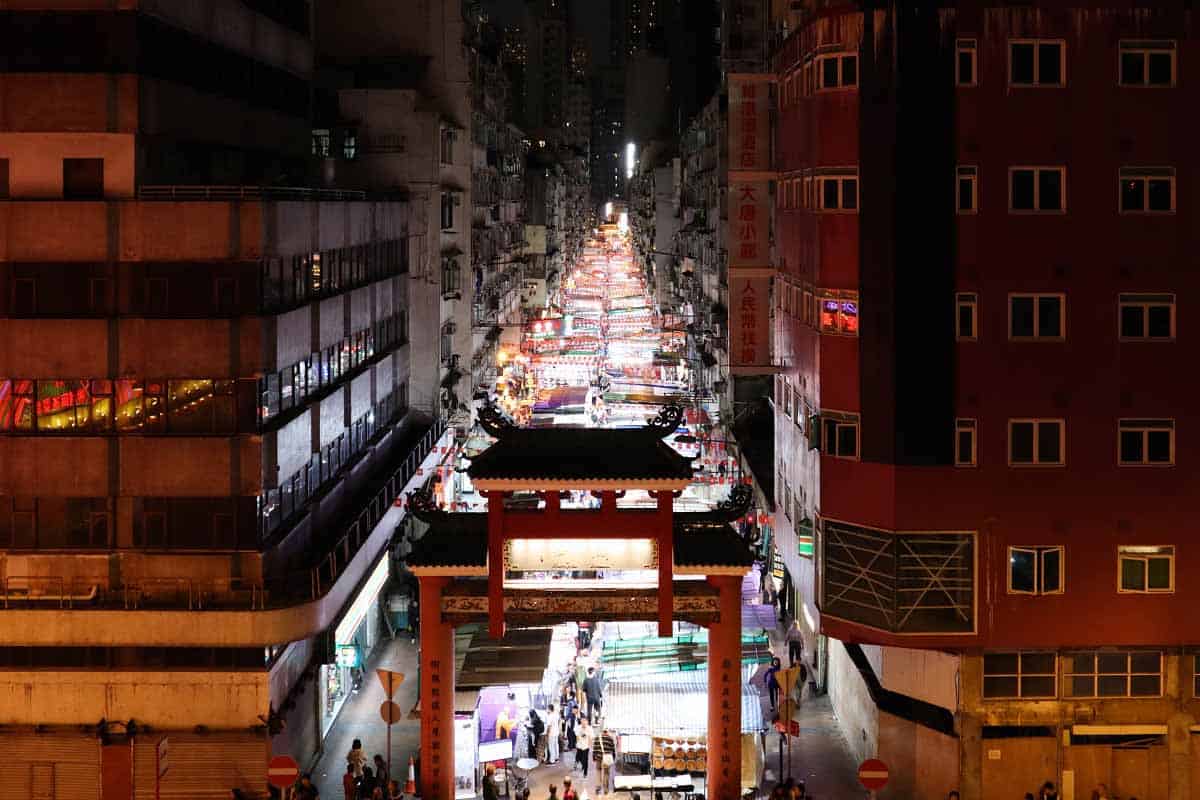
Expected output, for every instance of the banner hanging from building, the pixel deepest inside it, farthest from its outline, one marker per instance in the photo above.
(749, 222)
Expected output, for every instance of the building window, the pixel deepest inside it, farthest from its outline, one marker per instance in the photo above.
(24, 296)
(3, 178)
(448, 203)
(1196, 676)
(968, 190)
(1147, 190)
(1035, 570)
(1147, 317)
(320, 143)
(1037, 62)
(1148, 63)
(839, 434)
(967, 316)
(1146, 442)
(837, 192)
(837, 71)
(1037, 189)
(839, 313)
(1105, 673)
(100, 295)
(966, 72)
(156, 297)
(448, 137)
(964, 442)
(1146, 570)
(1019, 675)
(1037, 316)
(451, 276)
(1036, 442)
(350, 144)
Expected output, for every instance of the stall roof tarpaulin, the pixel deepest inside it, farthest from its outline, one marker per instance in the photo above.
(671, 705)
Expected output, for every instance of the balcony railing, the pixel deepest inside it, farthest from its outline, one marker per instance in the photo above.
(899, 582)
(226, 594)
(194, 193)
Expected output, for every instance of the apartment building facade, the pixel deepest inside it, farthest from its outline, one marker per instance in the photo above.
(980, 254)
(208, 396)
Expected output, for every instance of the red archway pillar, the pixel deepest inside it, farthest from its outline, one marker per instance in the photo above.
(725, 691)
(437, 692)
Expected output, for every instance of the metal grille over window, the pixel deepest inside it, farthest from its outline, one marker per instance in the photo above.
(900, 582)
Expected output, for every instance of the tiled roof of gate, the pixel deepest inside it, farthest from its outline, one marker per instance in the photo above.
(580, 454)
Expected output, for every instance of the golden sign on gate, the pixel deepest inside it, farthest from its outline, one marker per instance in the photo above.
(535, 555)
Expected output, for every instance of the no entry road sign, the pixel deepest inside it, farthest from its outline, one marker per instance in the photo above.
(282, 772)
(873, 774)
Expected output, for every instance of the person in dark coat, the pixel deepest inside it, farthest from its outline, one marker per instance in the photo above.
(593, 694)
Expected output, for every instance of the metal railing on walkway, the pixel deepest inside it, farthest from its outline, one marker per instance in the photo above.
(181, 192)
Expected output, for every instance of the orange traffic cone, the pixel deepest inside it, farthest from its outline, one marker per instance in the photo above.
(411, 786)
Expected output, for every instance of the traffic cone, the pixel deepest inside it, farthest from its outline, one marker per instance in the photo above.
(411, 786)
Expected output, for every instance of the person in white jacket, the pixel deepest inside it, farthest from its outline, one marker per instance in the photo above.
(553, 730)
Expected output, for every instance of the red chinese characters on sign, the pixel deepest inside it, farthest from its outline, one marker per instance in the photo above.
(749, 137)
(749, 328)
(748, 224)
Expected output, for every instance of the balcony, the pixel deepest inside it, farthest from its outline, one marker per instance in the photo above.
(294, 604)
(901, 583)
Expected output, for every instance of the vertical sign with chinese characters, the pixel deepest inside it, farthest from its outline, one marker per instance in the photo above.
(724, 763)
(748, 236)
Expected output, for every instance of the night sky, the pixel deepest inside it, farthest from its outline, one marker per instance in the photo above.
(590, 18)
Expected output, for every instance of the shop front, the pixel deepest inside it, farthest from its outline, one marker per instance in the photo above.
(354, 639)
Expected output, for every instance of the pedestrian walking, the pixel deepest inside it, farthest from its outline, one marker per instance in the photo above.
(350, 783)
(795, 643)
(772, 680)
(593, 694)
(583, 744)
(570, 722)
(553, 732)
(604, 750)
(356, 758)
(381, 771)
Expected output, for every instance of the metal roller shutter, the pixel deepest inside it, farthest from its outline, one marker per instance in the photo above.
(202, 766)
(67, 766)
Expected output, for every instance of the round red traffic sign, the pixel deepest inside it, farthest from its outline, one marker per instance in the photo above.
(282, 772)
(873, 774)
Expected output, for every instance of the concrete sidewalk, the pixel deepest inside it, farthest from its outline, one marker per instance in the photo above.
(359, 719)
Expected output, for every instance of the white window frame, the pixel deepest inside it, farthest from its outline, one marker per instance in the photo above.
(970, 174)
(1145, 48)
(1144, 175)
(1145, 301)
(1037, 63)
(1037, 422)
(1037, 188)
(841, 419)
(966, 300)
(966, 46)
(819, 66)
(1037, 336)
(1144, 553)
(964, 425)
(1039, 553)
(1145, 427)
(841, 179)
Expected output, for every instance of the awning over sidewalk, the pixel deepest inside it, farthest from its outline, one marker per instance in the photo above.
(671, 705)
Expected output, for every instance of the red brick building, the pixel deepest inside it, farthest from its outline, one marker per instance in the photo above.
(983, 422)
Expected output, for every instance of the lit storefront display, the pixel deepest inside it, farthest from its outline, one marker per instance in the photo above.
(354, 639)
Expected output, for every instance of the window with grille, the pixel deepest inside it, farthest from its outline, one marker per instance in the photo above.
(1112, 674)
(1019, 675)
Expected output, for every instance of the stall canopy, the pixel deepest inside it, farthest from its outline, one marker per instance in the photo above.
(626, 659)
(675, 704)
